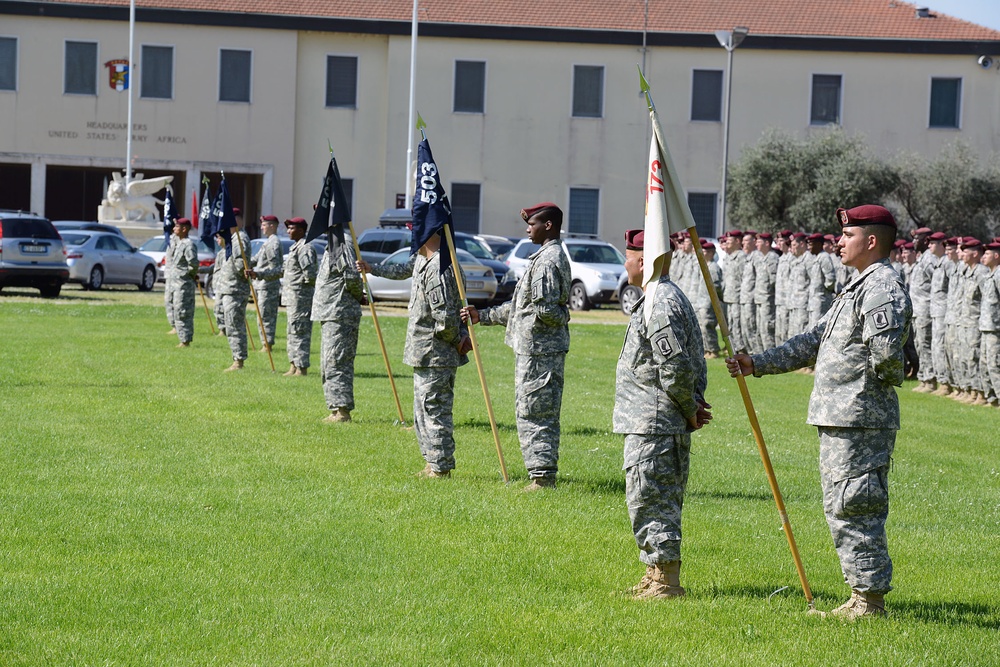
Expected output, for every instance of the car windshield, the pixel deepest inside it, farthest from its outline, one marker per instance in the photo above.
(474, 248)
(526, 250)
(500, 247)
(155, 244)
(27, 228)
(71, 238)
(589, 253)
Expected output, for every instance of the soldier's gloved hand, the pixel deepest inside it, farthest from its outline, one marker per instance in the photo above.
(464, 345)
(740, 364)
(470, 315)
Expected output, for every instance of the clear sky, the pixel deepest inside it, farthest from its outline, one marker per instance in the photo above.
(983, 12)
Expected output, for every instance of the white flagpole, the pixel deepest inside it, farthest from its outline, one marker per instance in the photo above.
(410, 122)
(131, 76)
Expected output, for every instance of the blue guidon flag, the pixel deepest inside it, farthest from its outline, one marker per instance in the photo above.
(205, 217)
(223, 218)
(332, 196)
(169, 214)
(431, 208)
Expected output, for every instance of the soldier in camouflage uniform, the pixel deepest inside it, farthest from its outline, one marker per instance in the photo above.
(659, 399)
(941, 284)
(702, 301)
(953, 252)
(921, 275)
(168, 276)
(220, 262)
(268, 267)
(970, 300)
(235, 289)
(732, 277)
(822, 279)
(989, 327)
(537, 321)
(858, 351)
(765, 272)
(437, 343)
(797, 301)
(337, 307)
(748, 307)
(301, 266)
(184, 265)
(784, 242)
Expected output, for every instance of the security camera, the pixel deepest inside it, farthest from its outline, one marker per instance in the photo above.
(985, 62)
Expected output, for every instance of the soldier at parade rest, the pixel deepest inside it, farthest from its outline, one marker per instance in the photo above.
(857, 348)
(537, 321)
(184, 264)
(660, 386)
(437, 343)
(234, 286)
(268, 267)
(301, 266)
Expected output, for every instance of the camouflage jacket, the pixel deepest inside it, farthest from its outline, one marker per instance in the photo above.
(184, 259)
(661, 372)
(940, 281)
(857, 348)
(797, 291)
(972, 295)
(920, 283)
(537, 316)
(781, 279)
(339, 290)
(822, 282)
(231, 278)
(748, 277)
(168, 260)
(989, 312)
(732, 276)
(268, 264)
(301, 267)
(955, 283)
(765, 275)
(701, 299)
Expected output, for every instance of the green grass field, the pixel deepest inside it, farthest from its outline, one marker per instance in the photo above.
(157, 511)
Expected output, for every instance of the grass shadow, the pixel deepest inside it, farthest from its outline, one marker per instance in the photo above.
(381, 376)
(730, 495)
(485, 424)
(947, 613)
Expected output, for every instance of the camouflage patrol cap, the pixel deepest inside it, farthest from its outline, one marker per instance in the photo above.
(867, 214)
(183, 221)
(530, 212)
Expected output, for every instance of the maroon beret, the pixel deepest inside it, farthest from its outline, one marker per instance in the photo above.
(937, 236)
(785, 233)
(528, 213)
(908, 245)
(953, 240)
(921, 231)
(707, 245)
(971, 243)
(764, 236)
(735, 232)
(634, 239)
(269, 218)
(867, 214)
(830, 237)
(237, 211)
(750, 232)
(799, 236)
(994, 245)
(295, 221)
(184, 221)
(899, 243)
(816, 237)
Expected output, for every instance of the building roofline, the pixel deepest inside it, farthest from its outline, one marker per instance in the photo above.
(495, 32)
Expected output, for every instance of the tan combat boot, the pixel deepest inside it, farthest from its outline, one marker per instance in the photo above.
(430, 473)
(957, 395)
(290, 372)
(968, 396)
(237, 366)
(172, 332)
(979, 398)
(666, 582)
(644, 583)
(942, 390)
(300, 370)
(183, 344)
(924, 388)
(860, 604)
(339, 415)
(538, 483)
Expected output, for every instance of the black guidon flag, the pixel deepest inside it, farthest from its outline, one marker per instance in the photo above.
(169, 214)
(205, 217)
(332, 194)
(223, 218)
(431, 208)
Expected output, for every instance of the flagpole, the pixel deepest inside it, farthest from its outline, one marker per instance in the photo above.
(457, 270)
(745, 393)
(256, 306)
(412, 109)
(204, 301)
(131, 73)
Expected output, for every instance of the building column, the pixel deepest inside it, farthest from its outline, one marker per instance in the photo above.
(192, 177)
(38, 186)
(267, 192)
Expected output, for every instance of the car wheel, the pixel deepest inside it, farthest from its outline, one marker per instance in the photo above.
(96, 278)
(50, 292)
(148, 278)
(628, 297)
(578, 299)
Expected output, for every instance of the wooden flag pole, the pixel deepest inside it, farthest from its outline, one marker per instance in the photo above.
(204, 302)
(256, 306)
(475, 352)
(378, 329)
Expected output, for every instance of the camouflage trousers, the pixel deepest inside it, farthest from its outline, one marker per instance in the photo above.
(168, 301)
(299, 337)
(268, 300)
(780, 324)
(951, 344)
(338, 347)
(538, 389)
(433, 397)
(989, 364)
(939, 352)
(708, 323)
(854, 469)
(654, 493)
(748, 327)
(220, 314)
(235, 309)
(798, 321)
(967, 353)
(735, 325)
(765, 326)
(922, 337)
(183, 309)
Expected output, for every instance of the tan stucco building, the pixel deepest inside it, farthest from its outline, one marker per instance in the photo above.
(524, 101)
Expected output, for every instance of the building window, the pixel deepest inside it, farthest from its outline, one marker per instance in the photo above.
(583, 207)
(946, 102)
(342, 81)
(80, 68)
(703, 205)
(156, 69)
(465, 207)
(706, 95)
(588, 91)
(470, 86)
(8, 63)
(825, 99)
(234, 75)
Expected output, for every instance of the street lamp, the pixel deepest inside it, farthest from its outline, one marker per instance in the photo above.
(729, 40)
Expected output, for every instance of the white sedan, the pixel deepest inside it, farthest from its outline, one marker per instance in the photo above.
(480, 283)
(104, 258)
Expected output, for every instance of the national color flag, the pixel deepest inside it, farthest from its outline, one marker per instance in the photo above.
(223, 218)
(169, 214)
(205, 217)
(333, 196)
(431, 208)
(667, 210)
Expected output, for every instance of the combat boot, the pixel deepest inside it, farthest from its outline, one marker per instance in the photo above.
(924, 388)
(942, 390)
(538, 483)
(957, 395)
(290, 372)
(968, 396)
(300, 370)
(172, 332)
(979, 399)
(644, 583)
(237, 366)
(860, 604)
(666, 582)
(339, 415)
(184, 344)
(430, 473)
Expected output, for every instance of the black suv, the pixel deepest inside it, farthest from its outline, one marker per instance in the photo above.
(32, 253)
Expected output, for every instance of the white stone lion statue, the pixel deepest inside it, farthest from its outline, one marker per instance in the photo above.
(135, 202)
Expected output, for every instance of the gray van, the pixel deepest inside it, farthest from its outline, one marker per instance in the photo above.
(32, 253)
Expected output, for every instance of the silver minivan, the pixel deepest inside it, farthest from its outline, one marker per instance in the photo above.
(32, 253)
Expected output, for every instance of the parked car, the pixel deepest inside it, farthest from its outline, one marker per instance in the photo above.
(378, 243)
(480, 283)
(596, 268)
(32, 254)
(85, 226)
(156, 247)
(497, 245)
(104, 258)
(627, 294)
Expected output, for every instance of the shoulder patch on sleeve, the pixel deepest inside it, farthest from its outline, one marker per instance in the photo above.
(878, 312)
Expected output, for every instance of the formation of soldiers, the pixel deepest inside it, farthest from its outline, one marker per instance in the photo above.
(775, 287)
